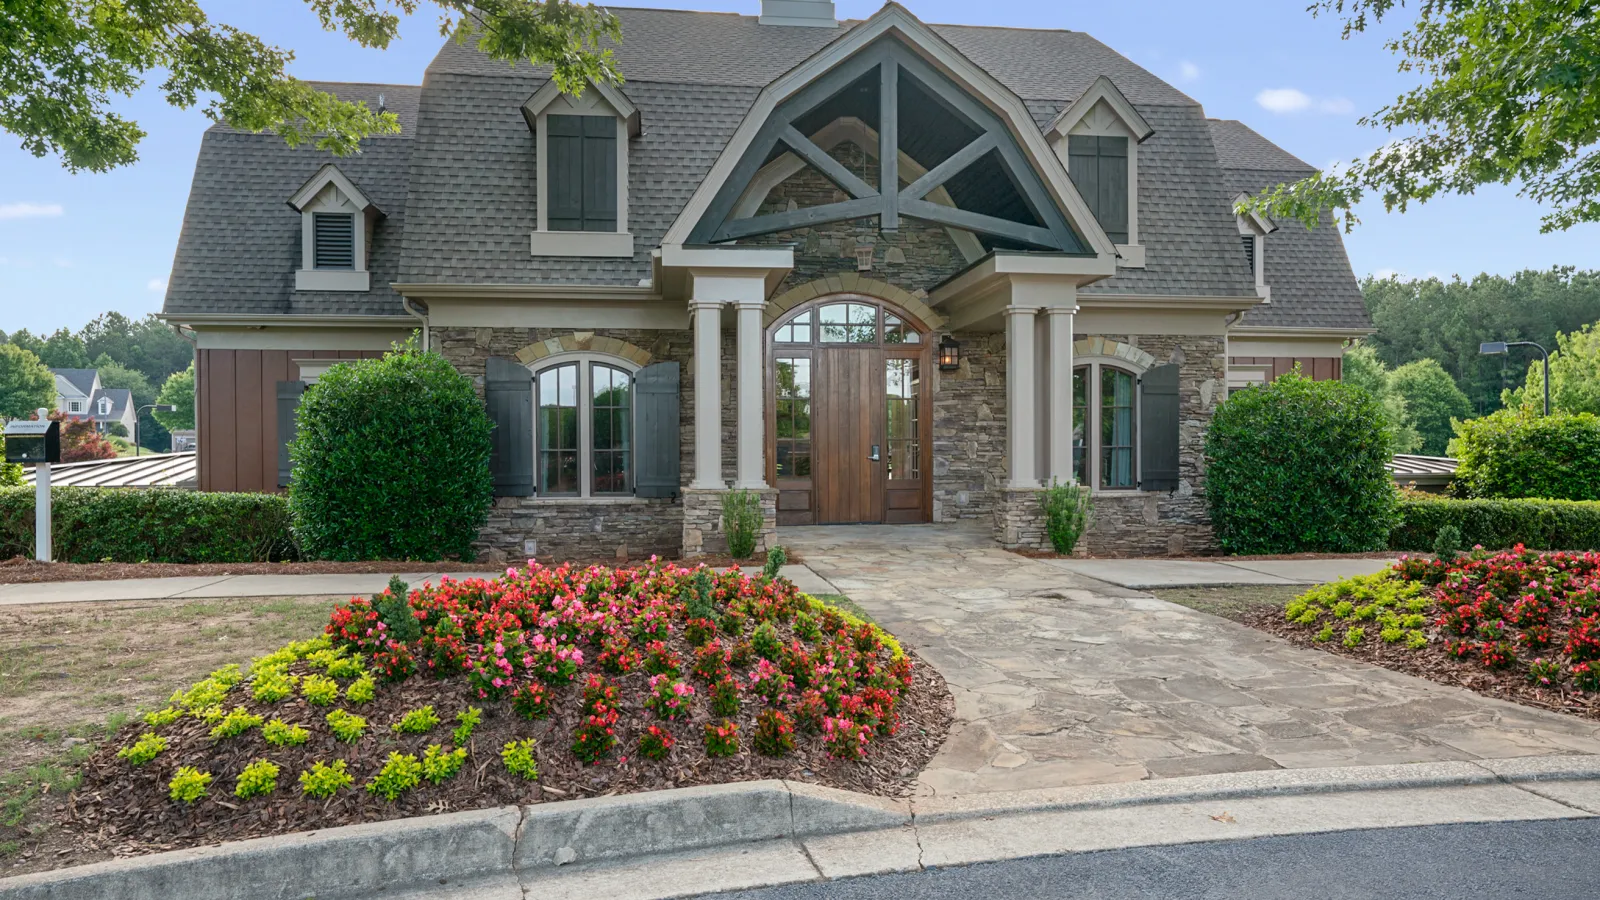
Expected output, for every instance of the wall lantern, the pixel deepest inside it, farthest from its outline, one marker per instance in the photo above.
(949, 354)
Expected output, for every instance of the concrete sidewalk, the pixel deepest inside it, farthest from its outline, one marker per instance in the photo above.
(238, 586)
(1155, 573)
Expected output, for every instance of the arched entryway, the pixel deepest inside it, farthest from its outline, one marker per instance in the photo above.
(850, 413)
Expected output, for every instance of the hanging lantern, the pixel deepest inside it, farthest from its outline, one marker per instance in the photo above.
(949, 354)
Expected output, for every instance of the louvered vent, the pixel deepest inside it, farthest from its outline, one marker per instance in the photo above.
(1249, 241)
(334, 236)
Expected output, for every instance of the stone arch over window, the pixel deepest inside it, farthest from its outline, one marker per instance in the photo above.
(851, 283)
(583, 342)
(1117, 353)
(583, 423)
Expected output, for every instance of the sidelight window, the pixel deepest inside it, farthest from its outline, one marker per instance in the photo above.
(902, 379)
(793, 400)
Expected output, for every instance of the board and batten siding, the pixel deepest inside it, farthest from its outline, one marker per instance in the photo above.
(236, 408)
(1317, 368)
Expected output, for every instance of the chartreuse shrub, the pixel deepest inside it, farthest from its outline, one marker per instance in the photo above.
(519, 760)
(439, 764)
(272, 686)
(1394, 603)
(362, 690)
(417, 721)
(279, 733)
(346, 727)
(1515, 454)
(391, 460)
(323, 780)
(157, 718)
(147, 747)
(96, 524)
(188, 784)
(260, 777)
(236, 723)
(1497, 524)
(1298, 465)
(399, 774)
(466, 723)
(319, 690)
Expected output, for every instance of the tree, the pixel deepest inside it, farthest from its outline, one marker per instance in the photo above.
(1363, 369)
(1432, 401)
(64, 350)
(62, 62)
(178, 391)
(79, 439)
(147, 344)
(26, 384)
(1574, 376)
(152, 436)
(1507, 95)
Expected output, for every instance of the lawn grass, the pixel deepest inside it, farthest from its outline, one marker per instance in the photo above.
(81, 670)
(841, 602)
(1233, 602)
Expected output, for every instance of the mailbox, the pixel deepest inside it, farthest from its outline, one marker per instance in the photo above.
(33, 442)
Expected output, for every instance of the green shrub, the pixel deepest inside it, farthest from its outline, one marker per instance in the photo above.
(439, 765)
(1498, 524)
(259, 777)
(319, 690)
(1066, 514)
(777, 558)
(96, 524)
(400, 774)
(1513, 454)
(146, 748)
(272, 685)
(1298, 465)
(468, 722)
(417, 721)
(362, 690)
(10, 475)
(323, 780)
(188, 784)
(519, 759)
(236, 723)
(391, 460)
(741, 522)
(282, 734)
(346, 727)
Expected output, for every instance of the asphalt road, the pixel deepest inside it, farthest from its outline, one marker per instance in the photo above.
(1547, 860)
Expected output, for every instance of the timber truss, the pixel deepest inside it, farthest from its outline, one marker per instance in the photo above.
(961, 144)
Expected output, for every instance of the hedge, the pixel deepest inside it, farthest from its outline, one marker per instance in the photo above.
(121, 525)
(1499, 524)
(1514, 454)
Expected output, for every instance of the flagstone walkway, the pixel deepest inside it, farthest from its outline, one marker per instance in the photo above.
(1062, 680)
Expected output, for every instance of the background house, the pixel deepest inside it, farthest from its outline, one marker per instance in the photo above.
(80, 395)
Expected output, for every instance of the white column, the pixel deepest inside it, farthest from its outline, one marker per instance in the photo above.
(752, 417)
(1060, 419)
(707, 394)
(1020, 409)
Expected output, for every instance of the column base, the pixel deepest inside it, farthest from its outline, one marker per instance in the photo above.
(703, 534)
(1019, 519)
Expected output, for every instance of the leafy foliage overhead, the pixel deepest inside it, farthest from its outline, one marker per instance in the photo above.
(1507, 95)
(25, 383)
(63, 61)
(1574, 376)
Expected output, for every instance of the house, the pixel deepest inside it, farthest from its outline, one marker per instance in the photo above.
(698, 280)
(80, 395)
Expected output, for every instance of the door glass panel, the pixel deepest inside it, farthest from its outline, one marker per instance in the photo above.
(1080, 422)
(849, 323)
(796, 331)
(792, 383)
(903, 383)
(896, 331)
(1116, 429)
(612, 426)
(558, 429)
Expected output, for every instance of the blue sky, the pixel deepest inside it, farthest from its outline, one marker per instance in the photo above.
(73, 246)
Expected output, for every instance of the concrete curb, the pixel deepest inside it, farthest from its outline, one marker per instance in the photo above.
(507, 847)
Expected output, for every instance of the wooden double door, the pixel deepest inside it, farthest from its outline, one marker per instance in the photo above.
(850, 403)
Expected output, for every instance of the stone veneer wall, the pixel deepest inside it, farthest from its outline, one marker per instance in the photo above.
(702, 523)
(969, 430)
(1019, 519)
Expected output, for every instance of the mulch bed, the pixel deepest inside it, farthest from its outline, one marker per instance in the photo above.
(1432, 663)
(1219, 557)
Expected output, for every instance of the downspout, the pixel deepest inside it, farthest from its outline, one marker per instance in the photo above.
(421, 317)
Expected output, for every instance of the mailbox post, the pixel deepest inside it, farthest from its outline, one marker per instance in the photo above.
(37, 443)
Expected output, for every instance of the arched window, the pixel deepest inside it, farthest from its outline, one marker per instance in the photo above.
(583, 424)
(1104, 425)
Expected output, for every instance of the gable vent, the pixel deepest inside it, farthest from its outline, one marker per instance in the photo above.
(334, 240)
(812, 13)
(1249, 242)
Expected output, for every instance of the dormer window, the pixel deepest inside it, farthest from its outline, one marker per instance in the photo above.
(1098, 137)
(581, 145)
(105, 406)
(337, 221)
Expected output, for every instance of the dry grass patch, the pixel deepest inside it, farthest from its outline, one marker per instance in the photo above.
(1237, 602)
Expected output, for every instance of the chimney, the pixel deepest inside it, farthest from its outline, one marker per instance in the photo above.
(811, 13)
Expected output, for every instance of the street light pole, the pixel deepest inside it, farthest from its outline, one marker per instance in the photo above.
(160, 407)
(1500, 348)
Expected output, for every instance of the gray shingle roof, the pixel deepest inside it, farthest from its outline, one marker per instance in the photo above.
(82, 379)
(120, 399)
(458, 182)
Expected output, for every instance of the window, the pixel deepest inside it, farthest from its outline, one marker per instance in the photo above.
(333, 241)
(797, 331)
(902, 379)
(582, 173)
(75, 406)
(1104, 424)
(848, 323)
(1098, 165)
(792, 396)
(584, 429)
(105, 406)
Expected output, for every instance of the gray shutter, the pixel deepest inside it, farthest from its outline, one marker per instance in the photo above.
(564, 169)
(508, 392)
(1083, 165)
(1158, 429)
(333, 241)
(660, 443)
(599, 173)
(288, 421)
(1113, 209)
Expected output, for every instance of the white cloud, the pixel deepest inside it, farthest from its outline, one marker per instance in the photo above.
(1336, 106)
(1283, 100)
(1188, 71)
(159, 285)
(29, 210)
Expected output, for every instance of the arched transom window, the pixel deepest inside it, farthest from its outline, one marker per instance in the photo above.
(583, 427)
(1104, 422)
(845, 323)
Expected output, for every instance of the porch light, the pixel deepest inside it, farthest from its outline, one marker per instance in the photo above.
(949, 354)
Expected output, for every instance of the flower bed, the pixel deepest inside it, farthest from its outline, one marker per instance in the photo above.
(545, 684)
(1518, 624)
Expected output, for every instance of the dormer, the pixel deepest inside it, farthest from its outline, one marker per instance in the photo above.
(105, 406)
(582, 179)
(1098, 138)
(1253, 231)
(335, 233)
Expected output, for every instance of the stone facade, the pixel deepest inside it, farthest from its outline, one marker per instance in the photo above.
(969, 430)
(559, 528)
(1019, 519)
(702, 523)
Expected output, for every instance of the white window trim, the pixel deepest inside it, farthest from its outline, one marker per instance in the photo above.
(330, 191)
(1091, 428)
(598, 100)
(105, 406)
(586, 421)
(74, 406)
(1103, 110)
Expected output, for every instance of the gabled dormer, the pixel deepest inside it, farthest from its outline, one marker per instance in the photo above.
(335, 234)
(582, 180)
(1253, 231)
(1098, 138)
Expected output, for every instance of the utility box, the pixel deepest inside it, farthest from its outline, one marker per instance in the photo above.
(33, 442)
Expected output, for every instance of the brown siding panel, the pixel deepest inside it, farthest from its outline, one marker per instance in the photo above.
(1317, 368)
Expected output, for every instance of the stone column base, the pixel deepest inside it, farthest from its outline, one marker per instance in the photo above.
(1019, 519)
(702, 522)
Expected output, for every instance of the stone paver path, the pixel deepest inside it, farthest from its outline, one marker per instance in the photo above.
(1063, 680)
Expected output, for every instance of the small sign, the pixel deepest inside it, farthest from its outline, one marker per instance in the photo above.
(33, 442)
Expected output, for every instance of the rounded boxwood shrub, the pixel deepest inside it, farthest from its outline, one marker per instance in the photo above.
(1298, 465)
(1515, 453)
(391, 461)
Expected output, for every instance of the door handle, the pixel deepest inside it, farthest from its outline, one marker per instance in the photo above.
(874, 456)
